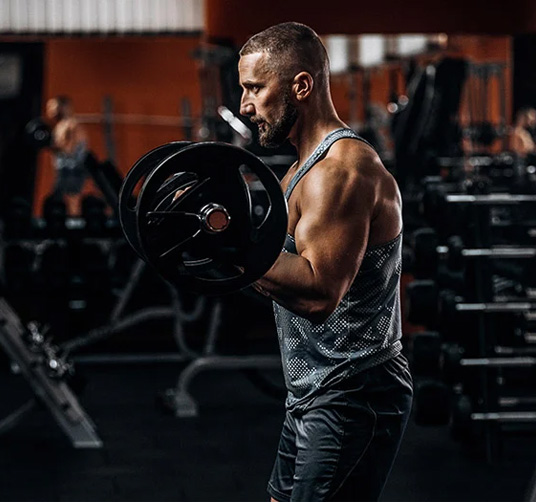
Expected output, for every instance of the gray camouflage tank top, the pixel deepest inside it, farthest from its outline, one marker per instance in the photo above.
(71, 173)
(363, 331)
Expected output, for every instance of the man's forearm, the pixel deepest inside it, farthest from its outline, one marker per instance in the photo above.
(293, 283)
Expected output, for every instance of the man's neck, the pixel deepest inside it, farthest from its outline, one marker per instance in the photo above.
(311, 129)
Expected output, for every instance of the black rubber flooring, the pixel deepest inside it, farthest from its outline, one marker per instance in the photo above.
(225, 454)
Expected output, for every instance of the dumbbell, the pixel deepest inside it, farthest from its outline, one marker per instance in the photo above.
(442, 310)
(425, 352)
(38, 134)
(466, 419)
(444, 217)
(431, 357)
(424, 243)
(421, 306)
(448, 263)
(431, 259)
(55, 215)
(94, 215)
(426, 302)
(462, 426)
(431, 402)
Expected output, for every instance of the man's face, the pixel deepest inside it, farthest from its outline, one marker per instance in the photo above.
(56, 111)
(52, 109)
(266, 100)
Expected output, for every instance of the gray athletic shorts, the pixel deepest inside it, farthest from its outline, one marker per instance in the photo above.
(343, 447)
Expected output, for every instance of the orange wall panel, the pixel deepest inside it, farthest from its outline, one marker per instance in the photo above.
(238, 19)
(490, 50)
(478, 49)
(142, 75)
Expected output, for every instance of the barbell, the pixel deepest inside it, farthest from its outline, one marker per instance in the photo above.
(208, 217)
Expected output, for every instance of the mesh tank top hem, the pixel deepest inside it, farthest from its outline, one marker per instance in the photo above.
(383, 244)
(303, 403)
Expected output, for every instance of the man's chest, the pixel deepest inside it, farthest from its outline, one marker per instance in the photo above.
(292, 201)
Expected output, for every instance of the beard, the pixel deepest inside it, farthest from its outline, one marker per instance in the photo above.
(274, 135)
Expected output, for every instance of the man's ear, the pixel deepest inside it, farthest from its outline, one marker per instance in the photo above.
(302, 85)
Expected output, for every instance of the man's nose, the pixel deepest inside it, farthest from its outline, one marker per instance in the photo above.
(246, 108)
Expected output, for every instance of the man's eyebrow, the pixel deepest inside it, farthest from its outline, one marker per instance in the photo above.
(249, 83)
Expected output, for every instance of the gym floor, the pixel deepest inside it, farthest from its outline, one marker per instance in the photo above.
(225, 454)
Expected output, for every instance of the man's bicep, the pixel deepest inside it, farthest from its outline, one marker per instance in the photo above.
(332, 232)
(332, 243)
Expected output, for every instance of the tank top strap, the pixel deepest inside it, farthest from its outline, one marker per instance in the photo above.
(319, 152)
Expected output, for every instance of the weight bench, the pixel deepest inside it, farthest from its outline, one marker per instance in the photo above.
(38, 368)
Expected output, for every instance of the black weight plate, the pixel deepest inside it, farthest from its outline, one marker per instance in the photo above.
(38, 134)
(128, 202)
(171, 233)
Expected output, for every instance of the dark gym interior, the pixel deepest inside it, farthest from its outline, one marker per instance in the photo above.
(120, 385)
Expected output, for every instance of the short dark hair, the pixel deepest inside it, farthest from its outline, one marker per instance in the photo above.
(293, 47)
(63, 100)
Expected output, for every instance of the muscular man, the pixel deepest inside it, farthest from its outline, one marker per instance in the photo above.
(69, 145)
(335, 286)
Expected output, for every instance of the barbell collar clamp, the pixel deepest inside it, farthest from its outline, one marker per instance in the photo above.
(214, 218)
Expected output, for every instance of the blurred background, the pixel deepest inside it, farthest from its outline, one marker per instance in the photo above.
(116, 385)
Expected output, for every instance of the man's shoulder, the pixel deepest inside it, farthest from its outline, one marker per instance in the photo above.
(353, 158)
(343, 172)
(354, 149)
(66, 124)
(352, 166)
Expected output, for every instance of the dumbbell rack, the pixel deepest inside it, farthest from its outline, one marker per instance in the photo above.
(483, 304)
(54, 393)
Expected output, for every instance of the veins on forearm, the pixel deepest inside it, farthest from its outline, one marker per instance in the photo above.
(290, 283)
